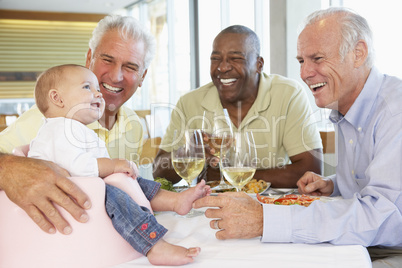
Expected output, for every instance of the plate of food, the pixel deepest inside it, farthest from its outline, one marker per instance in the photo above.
(218, 190)
(252, 187)
(255, 187)
(290, 199)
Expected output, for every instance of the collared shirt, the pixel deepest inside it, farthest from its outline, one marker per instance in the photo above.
(124, 140)
(368, 177)
(280, 119)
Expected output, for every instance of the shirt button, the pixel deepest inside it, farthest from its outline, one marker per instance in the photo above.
(353, 172)
(144, 226)
(351, 141)
(359, 129)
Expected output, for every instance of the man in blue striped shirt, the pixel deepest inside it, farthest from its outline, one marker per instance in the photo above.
(335, 52)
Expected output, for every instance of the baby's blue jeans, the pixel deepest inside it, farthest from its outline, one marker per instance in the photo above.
(136, 224)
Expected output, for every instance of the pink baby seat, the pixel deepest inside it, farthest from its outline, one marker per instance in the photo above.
(92, 244)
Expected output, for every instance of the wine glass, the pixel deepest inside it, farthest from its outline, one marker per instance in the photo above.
(188, 157)
(221, 125)
(238, 162)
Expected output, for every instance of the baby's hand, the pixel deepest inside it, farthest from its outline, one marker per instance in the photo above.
(125, 166)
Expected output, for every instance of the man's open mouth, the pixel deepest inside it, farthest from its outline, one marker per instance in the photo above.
(228, 81)
(111, 88)
(317, 86)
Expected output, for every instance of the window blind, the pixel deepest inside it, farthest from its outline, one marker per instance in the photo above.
(28, 47)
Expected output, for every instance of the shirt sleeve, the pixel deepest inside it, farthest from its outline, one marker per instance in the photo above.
(22, 131)
(369, 217)
(277, 224)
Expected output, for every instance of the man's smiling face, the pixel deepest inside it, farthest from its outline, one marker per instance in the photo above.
(330, 77)
(118, 64)
(234, 67)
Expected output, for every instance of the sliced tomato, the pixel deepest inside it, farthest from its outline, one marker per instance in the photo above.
(307, 198)
(290, 199)
(264, 199)
(285, 198)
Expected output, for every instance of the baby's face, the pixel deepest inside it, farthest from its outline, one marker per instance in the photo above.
(82, 97)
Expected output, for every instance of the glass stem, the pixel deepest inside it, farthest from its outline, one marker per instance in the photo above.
(222, 180)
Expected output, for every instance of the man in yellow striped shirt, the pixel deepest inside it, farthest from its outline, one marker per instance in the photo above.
(119, 54)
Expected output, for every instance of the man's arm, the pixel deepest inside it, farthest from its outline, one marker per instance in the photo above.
(36, 185)
(288, 175)
(163, 167)
(22, 131)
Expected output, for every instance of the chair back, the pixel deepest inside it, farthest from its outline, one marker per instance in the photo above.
(3, 120)
(145, 117)
(328, 141)
(151, 144)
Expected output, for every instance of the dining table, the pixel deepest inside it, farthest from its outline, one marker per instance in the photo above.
(196, 231)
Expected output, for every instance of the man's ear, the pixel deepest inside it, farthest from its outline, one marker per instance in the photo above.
(143, 77)
(260, 64)
(55, 98)
(361, 53)
(89, 58)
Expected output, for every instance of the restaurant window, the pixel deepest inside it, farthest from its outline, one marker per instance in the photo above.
(171, 73)
(214, 16)
(384, 23)
(28, 47)
(168, 75)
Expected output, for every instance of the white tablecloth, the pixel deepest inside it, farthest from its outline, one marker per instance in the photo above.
(190, 232)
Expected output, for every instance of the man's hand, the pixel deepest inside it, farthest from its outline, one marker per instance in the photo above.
(210, 159)
(238, 215)
(313, 184)
(36, 185)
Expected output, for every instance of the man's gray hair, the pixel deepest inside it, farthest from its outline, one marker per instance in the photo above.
(252, 38)
(129, 28)
(353, 28)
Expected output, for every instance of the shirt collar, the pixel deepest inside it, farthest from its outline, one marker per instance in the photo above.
(211, 100)
(360, 109)
(118, 125)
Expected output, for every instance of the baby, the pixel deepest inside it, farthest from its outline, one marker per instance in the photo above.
(69, 98)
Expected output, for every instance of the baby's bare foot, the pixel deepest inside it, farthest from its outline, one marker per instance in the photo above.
(186, 198)
(163, 253)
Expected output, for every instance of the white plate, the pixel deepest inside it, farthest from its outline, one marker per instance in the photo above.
(252, 195)
(263, 190)
(321, 198)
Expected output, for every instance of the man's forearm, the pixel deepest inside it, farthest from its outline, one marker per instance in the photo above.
(163, 167)
(2, 168)
(288, 175)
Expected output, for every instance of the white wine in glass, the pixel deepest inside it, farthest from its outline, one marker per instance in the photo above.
(238, 162)
(238, 176)
(215, 141)
(220, 125)
(188, 157)
(188, 168)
